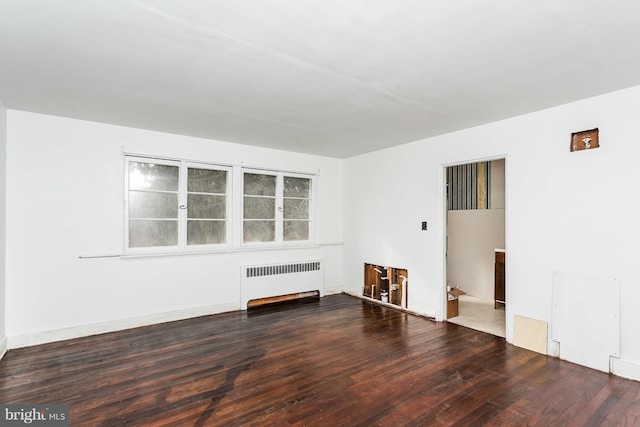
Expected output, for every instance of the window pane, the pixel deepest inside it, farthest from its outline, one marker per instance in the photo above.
(206, 232)
(296, 230)
(259, 231)
(207, 181)
(259, 208)
(149, 176)
(205, 206)
(296, 187)
(259, 185)
(296, 209)
(145, 204)
(145, 233)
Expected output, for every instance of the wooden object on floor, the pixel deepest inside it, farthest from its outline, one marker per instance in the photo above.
(453, 307)
(531, 334)
(453, 304)
(340, 361)
(500, 279)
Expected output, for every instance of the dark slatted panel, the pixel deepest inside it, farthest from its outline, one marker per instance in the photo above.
(464, 183)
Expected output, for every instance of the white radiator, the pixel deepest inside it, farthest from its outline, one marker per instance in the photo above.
(263, 281)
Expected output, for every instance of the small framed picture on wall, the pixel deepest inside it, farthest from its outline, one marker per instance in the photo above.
(585, 140)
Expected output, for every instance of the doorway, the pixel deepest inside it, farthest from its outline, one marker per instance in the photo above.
(475, 242)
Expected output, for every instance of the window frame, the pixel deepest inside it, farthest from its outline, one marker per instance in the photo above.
(182, 217)
(311, 199)
(276, 201)
(234, 220)
(279, 208)
(228, 205)
(127, 170)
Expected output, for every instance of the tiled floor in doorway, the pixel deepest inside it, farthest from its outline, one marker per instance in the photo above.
(479, 314)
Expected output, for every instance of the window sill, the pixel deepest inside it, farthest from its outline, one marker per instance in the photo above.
(227, 250)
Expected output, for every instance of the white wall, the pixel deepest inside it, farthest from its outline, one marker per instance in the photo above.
(565, 211)
(3, 204)
(474, 235)
(65, 200)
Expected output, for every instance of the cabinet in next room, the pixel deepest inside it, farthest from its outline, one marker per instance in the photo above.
(500, 276)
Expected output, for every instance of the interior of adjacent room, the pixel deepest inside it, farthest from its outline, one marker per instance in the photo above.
(475, 244)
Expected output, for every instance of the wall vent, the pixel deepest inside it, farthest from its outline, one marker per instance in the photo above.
(270, 270)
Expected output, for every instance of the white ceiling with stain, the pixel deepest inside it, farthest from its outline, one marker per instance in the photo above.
(329, 77)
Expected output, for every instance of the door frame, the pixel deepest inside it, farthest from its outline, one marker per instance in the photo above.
(445, 235)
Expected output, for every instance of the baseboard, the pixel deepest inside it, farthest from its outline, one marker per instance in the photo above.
(3, 347)
(333, 291)
(114, 325)
(385, 304)
(625, 369)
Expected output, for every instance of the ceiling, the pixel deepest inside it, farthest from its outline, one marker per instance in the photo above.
(330, 77)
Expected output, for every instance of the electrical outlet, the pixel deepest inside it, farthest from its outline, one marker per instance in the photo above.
(424, 225)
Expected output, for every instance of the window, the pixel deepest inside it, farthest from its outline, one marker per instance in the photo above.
(276, 207)
(153, 204)
(259, 207)
(206, 206)
(175, 204)
(297, 202)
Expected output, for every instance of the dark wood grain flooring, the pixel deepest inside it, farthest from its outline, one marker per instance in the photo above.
(336, 362)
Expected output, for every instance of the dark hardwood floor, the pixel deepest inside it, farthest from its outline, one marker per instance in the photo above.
(337, 361)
